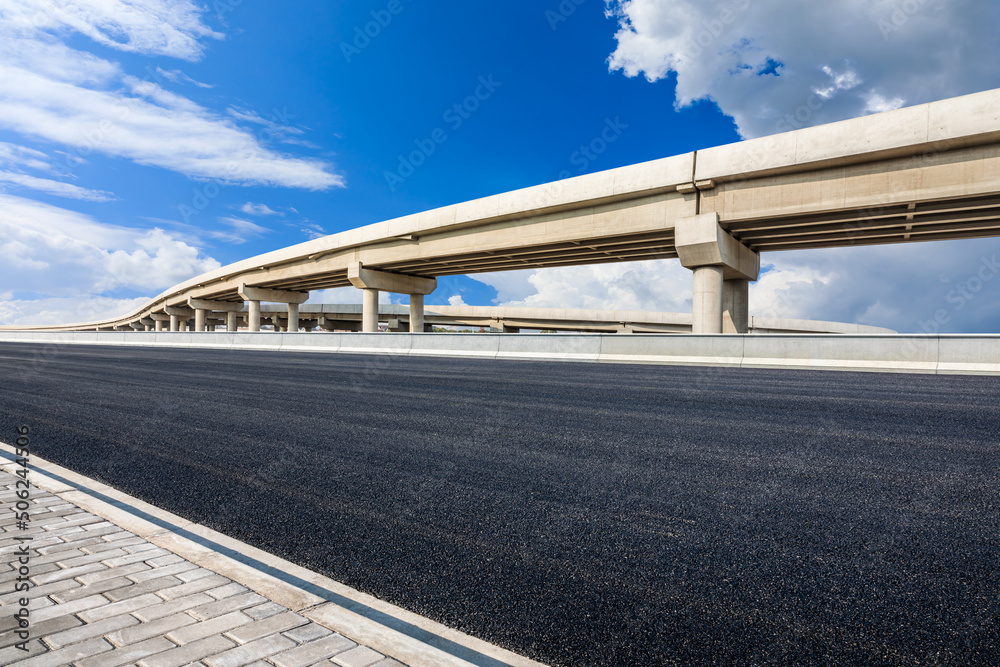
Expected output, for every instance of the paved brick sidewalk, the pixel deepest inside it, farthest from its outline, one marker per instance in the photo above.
(103, 597)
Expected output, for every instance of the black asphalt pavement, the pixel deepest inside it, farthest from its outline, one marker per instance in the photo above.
(580, 514)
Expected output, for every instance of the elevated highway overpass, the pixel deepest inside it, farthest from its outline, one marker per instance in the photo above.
(348, 317)
(924, 173)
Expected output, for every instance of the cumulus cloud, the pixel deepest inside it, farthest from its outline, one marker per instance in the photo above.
(775, 66)
(55, 92)
(654, 285)
(903, 287)
(51, 252)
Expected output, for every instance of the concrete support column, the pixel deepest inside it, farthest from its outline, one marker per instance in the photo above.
(707, 310)
(158, 327)
(723, 268)
(199, 319)
(231, 324)
(416, 312)
(736, 306)
(254, 316)
(175, 323)
(185, 323)
(293, 317)
(369, 311)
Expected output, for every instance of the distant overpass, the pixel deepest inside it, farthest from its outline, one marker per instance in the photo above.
(924, 173)
(330, 317)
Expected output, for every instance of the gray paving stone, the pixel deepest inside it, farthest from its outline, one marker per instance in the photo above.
(13, 654)
(196, 586)
(123, 535)
(187, 654)
(135, 558)
(68, 655)
(226, 605)
(41, 630)
(172, 607)
(61, 546)
(84, 558)
(214, 626)
(258, 650)
(264, 610)
(36, 592)
(197, 573)
(313, 652)
(148, 586)
(362, 656)
(227, 591)
(104, 545)
(129, 654)
(268, 626)
(57, 574)
(308, 633)
(143, 631)
(35, 572)
(123, 607)
(74, 607)
(169, 559)
(389, 662)
(112, 573)
(93, 589)
(152, 573)
(140, 547)
(98, 629)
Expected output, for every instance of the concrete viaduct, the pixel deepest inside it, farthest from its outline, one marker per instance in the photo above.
(924, 173)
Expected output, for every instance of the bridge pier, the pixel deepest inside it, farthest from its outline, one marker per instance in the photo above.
(257, 294)
(369, 311)
(372, 282)
(723, 268)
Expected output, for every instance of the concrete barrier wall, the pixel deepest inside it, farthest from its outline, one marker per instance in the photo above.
(975, 354)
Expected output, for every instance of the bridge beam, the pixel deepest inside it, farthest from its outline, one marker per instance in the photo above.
(372, 282)
(723, 268)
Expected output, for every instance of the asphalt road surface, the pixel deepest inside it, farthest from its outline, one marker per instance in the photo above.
(580, 514)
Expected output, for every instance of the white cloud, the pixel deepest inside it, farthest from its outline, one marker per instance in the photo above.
(655, 285)
(774, 65)
(51, 187)
(456, 300)
(177, 76)
(903, 287)
(64, 310)
(258, 209)
(345, 295)
(53, 92)
(156, 27)
(242, 230)
(56, 253)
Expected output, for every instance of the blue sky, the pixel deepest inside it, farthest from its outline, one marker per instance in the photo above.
(145, 141)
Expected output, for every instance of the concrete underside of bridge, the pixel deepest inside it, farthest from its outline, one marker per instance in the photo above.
(925, 173)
